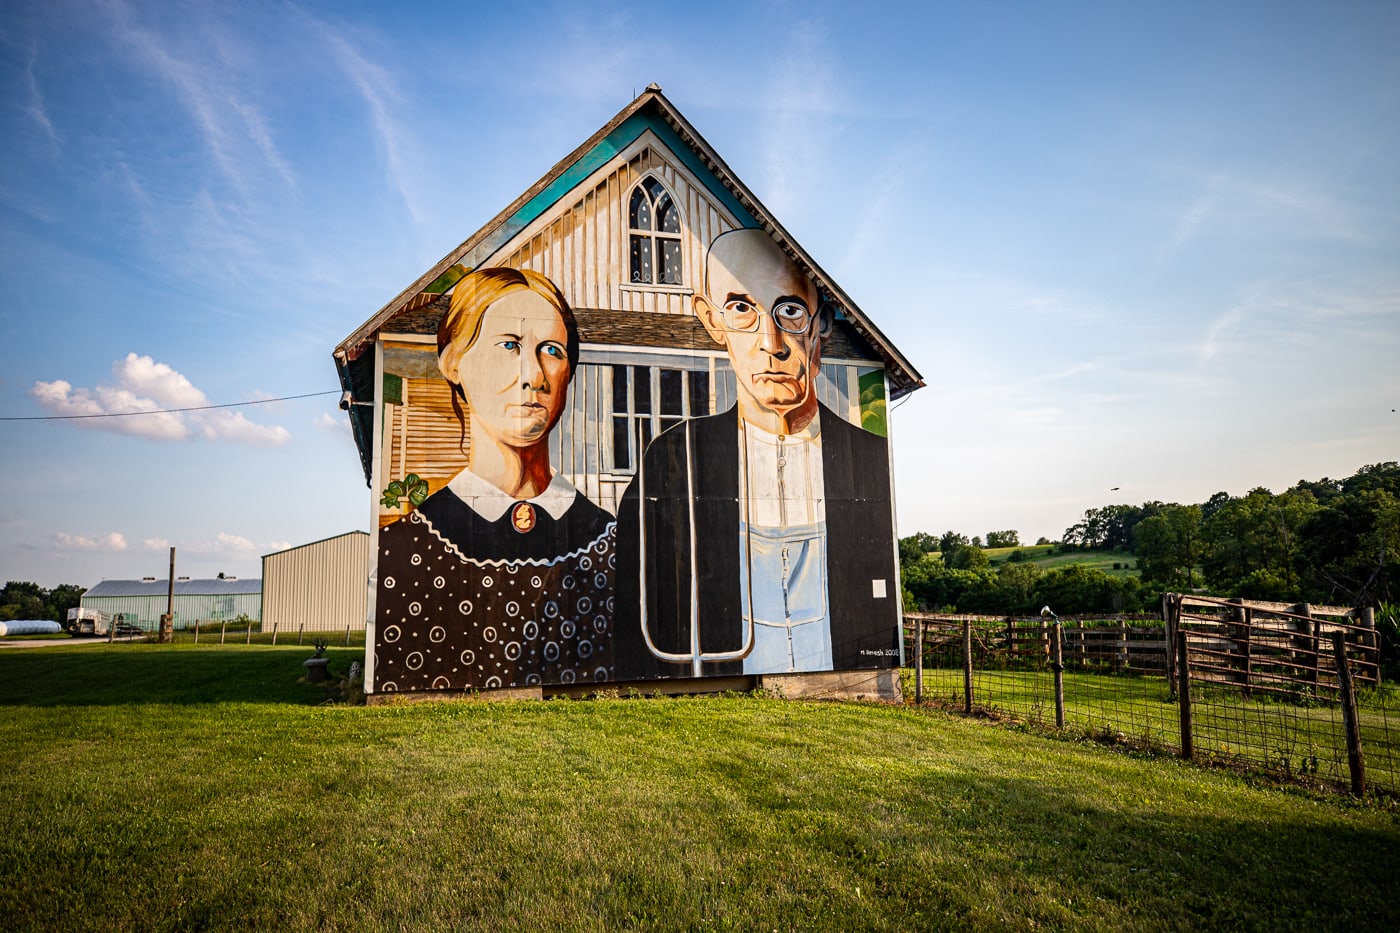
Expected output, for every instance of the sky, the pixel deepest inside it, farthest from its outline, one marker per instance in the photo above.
(1137, 251)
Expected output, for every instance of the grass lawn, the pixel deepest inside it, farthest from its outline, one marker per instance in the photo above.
(1291, 740)
(151, 787)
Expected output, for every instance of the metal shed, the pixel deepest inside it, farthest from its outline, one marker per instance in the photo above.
(142, 602)
(321, 586)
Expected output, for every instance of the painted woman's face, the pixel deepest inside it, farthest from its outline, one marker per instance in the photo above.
(516, 376)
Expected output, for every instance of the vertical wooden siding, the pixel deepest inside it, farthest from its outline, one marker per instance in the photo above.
(584, 249)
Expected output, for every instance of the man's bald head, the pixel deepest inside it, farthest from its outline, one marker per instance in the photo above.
(767, 314)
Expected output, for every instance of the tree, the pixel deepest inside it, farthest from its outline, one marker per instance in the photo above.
(1003, 539)
(968, 557)
(1351, 546)
(949, 543)
(1168, 546)
(916, 546)
(1250, 545)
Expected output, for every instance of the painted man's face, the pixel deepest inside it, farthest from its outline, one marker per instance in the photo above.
(764, 310)
(516, 375)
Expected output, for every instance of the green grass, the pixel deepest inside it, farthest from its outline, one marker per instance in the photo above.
(151, 787)
(1292, 740)
(1047, 557)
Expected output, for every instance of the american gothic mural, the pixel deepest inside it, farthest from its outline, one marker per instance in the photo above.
(627, 432)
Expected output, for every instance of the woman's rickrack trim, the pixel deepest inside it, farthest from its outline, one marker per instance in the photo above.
(507, 563)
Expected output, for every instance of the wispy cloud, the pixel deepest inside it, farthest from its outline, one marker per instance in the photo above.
(1272, 315)
(33, 104)
(804, 86)
(112, 541)
(895, 177)
(381, 97)
(143, 385)
(1232, 207)
(210, 94)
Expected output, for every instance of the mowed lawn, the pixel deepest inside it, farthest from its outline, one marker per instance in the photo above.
(149, 788)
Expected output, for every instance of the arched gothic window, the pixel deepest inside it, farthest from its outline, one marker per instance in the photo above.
(654, 224)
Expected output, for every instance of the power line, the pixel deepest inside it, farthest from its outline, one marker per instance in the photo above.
(163, 411)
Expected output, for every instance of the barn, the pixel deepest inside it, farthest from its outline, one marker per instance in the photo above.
(143, 602)
(630, 430)
(317, 587)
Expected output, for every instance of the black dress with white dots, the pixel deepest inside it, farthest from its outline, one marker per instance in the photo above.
(463, 603)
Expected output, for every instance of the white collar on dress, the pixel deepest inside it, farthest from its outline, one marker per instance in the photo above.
(491, 503)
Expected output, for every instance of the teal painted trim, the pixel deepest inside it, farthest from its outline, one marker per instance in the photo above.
(607, 148)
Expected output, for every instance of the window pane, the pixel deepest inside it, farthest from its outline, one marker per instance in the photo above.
(667, 216)
(619, 383)
(640, 211)
(669, 271)
(646, 432)
(622, 459)
(699, 394)
(641, 259)
(671, 389)
(641, 387)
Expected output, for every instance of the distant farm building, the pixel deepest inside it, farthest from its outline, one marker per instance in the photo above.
(143, 602)
(322, 586)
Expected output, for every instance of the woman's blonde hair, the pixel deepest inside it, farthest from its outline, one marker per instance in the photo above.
(479, 290)
(461, 325)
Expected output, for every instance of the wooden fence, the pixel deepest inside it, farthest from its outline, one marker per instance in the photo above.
(1271, 648)
(1270, 684)
(1252, 646)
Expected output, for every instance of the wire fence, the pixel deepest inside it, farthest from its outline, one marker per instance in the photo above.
(1293, 690)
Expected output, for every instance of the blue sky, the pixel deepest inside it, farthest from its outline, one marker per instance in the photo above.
(1145, 246)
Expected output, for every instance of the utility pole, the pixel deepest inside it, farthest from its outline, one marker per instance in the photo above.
(167, 621)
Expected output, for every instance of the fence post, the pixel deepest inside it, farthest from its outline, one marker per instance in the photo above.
(1183, 691)
(301, 630)
(248, 633)
(967, 665)
(223, 628)
(1307, 641)
(918, 659)
(196, 631)
(1355, 762)
(274, 633)
(347, 636)
(1171, 612)
(1240, 618)
(1120, 654)
(1366, 618)
(1057, 637)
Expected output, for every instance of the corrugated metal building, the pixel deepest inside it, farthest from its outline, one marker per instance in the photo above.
(321, 586)
(142, 602)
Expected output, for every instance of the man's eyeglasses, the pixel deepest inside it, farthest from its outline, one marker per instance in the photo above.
(791, 317)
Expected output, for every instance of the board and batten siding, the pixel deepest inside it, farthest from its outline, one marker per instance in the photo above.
(318, 587)
(584, 248)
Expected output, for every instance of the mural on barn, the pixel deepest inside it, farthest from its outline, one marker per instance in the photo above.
(626, 432)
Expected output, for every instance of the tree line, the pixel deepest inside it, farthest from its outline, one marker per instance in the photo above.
(1333, 542)
(21, 600)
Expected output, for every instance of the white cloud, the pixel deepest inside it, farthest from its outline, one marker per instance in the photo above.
(143, 385)
(112, 541)
(278, 545)
(156, 544)
(236, 544)
(331, 424)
